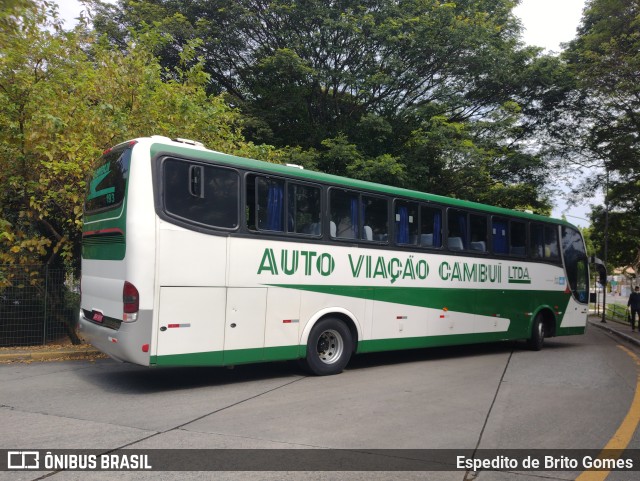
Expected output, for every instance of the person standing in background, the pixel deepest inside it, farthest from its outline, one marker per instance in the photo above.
(634, 305)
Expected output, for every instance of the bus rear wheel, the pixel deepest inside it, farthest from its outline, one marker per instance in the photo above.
(329, 347)
(536, 340)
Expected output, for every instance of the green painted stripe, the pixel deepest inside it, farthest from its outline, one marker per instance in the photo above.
(571, 331)
(285, 353)
(108, 249)
(422, 297)
(375, 345)
(213, 358)
(231, 357)
(484, 302)
(515, 305)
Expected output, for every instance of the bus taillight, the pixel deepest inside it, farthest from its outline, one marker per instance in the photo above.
(131, 300)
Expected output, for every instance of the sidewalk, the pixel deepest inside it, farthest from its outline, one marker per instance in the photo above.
(54, 352)
(617, 328)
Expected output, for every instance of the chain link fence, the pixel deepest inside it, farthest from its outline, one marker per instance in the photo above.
(617, 312)
(38, 305)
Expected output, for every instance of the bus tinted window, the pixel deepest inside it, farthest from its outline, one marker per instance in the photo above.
(304, 209)
(551, 250)
(344, 214)
(270, 204)
(106, 188)
(457, 235)
(430, 227)
(406, 219)
(202, 194)
(499, 235)
(374, 214)
(478, 232)
(518, 238)
(544, 241)
(537, 240)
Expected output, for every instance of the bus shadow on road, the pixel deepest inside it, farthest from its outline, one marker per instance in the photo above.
(369, 360)
(131, 379)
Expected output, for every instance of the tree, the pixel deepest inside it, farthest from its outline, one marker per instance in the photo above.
(605, 107)
(65, 96)
(422, 86)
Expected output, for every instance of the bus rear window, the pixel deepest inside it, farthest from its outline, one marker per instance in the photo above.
(108, 182)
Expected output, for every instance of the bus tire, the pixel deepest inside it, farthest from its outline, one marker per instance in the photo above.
(536, 340)
(329, 347)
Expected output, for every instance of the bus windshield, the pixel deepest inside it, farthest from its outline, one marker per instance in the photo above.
(107, 185)
(575, 258)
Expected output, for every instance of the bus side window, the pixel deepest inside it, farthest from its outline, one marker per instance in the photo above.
(344, 214)
(499, 235)
(478, 227)
(457, 226)
(537, 241)
(375, 219)
(518, 238)
(551, 249)
(406, 222)
(270, 204)
(430, 227)
(303, 209)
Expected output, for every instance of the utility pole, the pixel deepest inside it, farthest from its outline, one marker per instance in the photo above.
(606, 240)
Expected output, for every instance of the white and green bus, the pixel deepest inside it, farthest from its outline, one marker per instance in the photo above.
(192, 257)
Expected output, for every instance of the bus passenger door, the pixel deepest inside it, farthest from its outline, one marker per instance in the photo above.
(244, 326)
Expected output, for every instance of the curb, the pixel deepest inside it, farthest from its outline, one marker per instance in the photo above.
(615, 332)
(50, 355)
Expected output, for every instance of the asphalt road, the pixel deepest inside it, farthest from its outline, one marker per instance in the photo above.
(574, 394)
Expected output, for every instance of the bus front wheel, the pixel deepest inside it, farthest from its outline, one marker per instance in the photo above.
(537, 334)
(329, 347)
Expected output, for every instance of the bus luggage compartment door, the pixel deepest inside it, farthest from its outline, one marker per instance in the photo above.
(191, 325)
(244, 326)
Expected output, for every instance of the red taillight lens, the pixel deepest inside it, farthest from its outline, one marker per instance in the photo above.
(131, 301)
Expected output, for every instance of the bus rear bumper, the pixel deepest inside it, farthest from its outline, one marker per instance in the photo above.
(125, 344)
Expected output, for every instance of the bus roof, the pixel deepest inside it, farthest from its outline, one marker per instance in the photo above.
(163, 145)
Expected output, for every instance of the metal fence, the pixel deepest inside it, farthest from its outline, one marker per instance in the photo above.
(38, 305)
(617, 312)
(613, 312)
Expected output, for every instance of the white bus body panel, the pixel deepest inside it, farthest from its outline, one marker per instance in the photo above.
(191, 319)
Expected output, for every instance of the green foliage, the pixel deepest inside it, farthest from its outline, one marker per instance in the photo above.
(624, 232)
(421, 93)
(65, 97)
(602, 118)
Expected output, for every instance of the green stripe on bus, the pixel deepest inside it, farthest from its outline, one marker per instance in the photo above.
(375, 345)
(285, 353)
(108, 248)
(571, 331)
(226, 358)
(484, 302)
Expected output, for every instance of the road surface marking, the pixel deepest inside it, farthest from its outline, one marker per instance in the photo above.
(624, 434)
